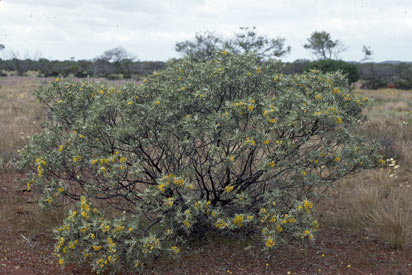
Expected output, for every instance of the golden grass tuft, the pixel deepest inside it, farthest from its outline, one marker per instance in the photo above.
(383, 208)
(20, 114)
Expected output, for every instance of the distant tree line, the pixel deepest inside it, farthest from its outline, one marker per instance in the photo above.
(82, 68)
(370, 75)
(118, 63)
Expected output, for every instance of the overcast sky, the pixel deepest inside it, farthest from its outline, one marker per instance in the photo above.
(83, 29)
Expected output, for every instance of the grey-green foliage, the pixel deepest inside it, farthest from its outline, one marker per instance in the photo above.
(224, 144)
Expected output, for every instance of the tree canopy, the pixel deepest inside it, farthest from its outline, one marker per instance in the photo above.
(323, 47)
(206, 45)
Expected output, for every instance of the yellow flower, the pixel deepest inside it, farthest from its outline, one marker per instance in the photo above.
(61, 189)
(76, 158)
(270, 243)
(105, 228)
(61, 148)
(182, 88)
(92, 236)
(157, 102)
(266, 142)
(249, 74)
(186, 222)
(317, 113)
(251, 107)
(258, 70)
(122, 160)
(170, 202)
(60, 101)
(220, 224)
(61, 241)
(61, 261)
(318, 97)
(336, 91)
(57, 79)
(224, 52)
(307, 232)
(110, 241)
(272, 120)
(337, 159)
(338, 120)
(229, 188)
(238, 220)
(272, 164)
(130, 102)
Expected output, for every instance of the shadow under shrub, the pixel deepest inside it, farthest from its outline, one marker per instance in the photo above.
(228, 144)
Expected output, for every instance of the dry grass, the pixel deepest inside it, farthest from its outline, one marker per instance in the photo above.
(382, 207)
(378, 202)
(20, 114)
(389, 122)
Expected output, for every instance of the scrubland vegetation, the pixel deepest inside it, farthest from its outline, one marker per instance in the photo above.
(204, 159)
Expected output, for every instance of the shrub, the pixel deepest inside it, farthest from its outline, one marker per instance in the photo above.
(226, 145)
(350, 70)
(115, 76)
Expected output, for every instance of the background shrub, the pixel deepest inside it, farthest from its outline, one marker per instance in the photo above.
(350, 70)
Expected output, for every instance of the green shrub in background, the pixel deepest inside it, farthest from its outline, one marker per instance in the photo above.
(115, 76)
(226, 145)
(350, 70)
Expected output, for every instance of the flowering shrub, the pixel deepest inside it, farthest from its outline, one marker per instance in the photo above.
(227, 145)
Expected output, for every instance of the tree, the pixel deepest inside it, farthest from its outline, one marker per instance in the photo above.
(205, 46)
(114, 56)
(367, 53)
(21, 64)
(1, 47)
(323, 47)
(248, 41)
